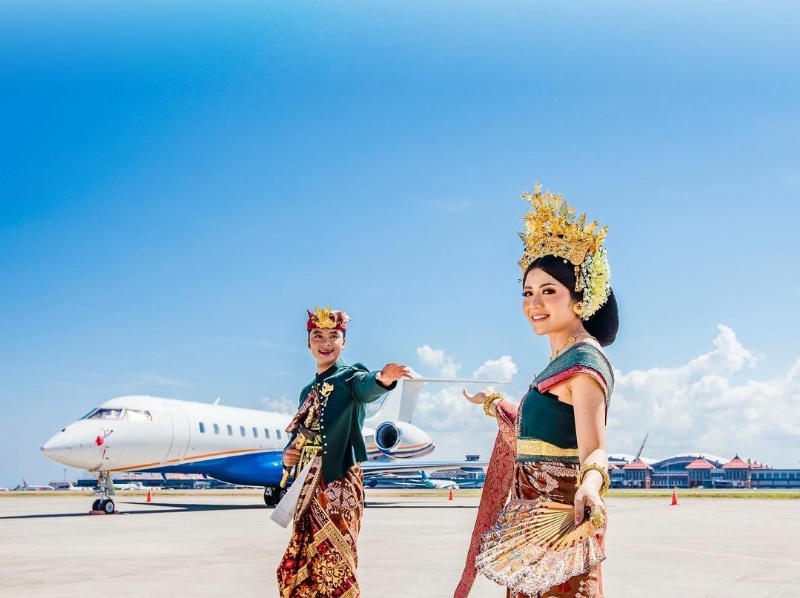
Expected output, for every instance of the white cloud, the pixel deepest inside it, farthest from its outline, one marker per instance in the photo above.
(728, 356)
(502, 370)
(695, 407)
(435, 358)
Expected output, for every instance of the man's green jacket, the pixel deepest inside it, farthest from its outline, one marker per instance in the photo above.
(343, 415)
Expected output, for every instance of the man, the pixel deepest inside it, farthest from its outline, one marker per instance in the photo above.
(327, 446)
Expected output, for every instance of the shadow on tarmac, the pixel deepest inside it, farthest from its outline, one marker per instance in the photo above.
(158, 508)
(400, 505)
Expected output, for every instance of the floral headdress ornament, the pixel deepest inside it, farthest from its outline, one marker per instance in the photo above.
(551, 228)
(325, 317)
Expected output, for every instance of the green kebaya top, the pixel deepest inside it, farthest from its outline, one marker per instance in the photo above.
(542, 417)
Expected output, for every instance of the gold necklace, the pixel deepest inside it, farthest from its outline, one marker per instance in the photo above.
(570, 341)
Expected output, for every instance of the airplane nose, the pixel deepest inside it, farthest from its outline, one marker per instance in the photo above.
(63, 449)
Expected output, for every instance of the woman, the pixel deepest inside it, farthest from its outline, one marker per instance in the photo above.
(328, 446)
(552, 446)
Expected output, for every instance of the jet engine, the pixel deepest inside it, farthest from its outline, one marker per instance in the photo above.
(402, 440)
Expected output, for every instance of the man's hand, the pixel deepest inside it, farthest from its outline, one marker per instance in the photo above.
(391, 373)
(291, 456)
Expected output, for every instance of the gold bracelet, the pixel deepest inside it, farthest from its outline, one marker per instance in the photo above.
(599, 469)
(488, 402)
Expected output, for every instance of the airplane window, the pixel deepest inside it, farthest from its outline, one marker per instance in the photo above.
(136, 415)
(216, 429)
(89, 414)
(278, 434)
(241, 431)
(230, 430)
(202, 428)
(266, 433)
(106, 414)
(255, 432)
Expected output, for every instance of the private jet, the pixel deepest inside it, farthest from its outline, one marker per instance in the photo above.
(236, 445)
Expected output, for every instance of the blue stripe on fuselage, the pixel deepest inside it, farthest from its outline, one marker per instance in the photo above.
(254, 469)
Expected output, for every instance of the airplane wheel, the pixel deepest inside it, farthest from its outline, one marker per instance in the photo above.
(96, 505)
(108, 507)
(274, 497)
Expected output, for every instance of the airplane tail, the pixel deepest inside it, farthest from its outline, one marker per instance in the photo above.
(641, 448)
(400, 402)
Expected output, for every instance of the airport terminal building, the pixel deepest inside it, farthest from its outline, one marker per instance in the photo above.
(693, 470)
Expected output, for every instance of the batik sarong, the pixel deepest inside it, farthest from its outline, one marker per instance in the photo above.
(321, 558)
(532, 480)
(554, 481)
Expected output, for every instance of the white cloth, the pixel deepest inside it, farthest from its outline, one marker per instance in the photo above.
(284, 510)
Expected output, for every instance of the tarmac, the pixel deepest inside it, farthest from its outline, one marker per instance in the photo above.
(410, 546)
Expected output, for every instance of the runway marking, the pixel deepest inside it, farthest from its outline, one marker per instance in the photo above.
(709, 552)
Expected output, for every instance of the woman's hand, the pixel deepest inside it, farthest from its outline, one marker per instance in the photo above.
(479, 397)
(587, 498)
(391, 373)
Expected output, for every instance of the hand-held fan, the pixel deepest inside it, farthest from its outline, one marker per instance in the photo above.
(534, 546)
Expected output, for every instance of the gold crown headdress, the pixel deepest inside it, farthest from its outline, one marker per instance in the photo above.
(327, 318)
(551, 228)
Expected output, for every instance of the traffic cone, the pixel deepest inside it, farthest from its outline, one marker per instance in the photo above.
(674, 497)
(450, 496)
(149, 495)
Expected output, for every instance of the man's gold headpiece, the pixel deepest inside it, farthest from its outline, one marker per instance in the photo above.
(551, 228)
(325, 317)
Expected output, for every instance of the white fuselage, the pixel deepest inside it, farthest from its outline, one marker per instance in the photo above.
(232, 444)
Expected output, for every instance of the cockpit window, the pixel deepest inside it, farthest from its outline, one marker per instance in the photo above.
(129, 414)
(137, 415)
(106, 414)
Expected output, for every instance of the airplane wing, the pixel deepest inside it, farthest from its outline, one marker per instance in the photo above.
(376, 468)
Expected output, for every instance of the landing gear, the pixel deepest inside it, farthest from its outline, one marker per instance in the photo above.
(273, 495)
(105, 487)
(106, 505)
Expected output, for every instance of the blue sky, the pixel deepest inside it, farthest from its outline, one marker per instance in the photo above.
(180, 183)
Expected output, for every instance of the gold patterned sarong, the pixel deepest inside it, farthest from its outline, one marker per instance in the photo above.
(554, 481)
(530, 480)
(321, 558)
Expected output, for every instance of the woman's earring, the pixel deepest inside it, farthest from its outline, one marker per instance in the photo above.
(577, 308)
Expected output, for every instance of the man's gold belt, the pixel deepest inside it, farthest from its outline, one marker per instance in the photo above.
(307, 453)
